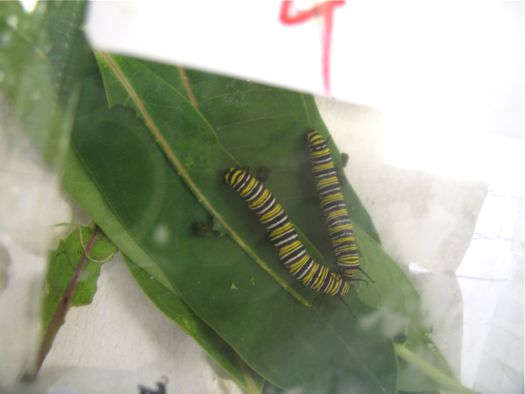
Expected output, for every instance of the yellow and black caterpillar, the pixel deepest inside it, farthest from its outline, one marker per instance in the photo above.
(333, 205)
(283, 235)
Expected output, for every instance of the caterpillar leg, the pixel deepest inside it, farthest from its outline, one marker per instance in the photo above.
(283, 235)
(347, 305)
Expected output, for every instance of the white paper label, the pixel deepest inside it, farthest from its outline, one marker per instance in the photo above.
(363, 51)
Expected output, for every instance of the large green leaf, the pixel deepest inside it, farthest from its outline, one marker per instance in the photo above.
(234, 109)
(188, 140)
(187, 107)
(292, 345)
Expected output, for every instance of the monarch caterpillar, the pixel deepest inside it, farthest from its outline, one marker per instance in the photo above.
(333, 205)
(283, 235)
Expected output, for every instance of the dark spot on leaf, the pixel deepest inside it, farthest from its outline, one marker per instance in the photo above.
(262, 173)
(344, 159)
(400, 338)
(200, 229)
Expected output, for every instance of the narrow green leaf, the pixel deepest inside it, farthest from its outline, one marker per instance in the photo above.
(43, 56)
(399, 313)
(444, 380)
(71, 280)
(173, 307)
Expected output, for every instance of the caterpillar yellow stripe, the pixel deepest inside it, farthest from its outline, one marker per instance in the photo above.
(283, 235)
(333, 205)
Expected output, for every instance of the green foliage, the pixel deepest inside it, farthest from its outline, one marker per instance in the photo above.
(287, 343)
(44, 58)
(82, 253)
(71, 280)
(45, 63)
(147, 180)
(172, 306)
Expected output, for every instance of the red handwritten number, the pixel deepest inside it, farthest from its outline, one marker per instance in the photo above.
(325, 10)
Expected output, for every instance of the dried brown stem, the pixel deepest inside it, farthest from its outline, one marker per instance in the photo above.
(65, 303)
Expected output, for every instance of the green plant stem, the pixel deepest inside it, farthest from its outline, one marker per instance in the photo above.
(429, 370)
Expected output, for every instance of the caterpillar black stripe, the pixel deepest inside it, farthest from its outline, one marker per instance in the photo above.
(333, 205)
(283, 235)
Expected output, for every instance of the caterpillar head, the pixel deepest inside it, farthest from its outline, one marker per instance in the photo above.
(314, 138)
(234, 176)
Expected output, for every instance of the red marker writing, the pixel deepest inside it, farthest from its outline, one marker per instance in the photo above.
(324, 10)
